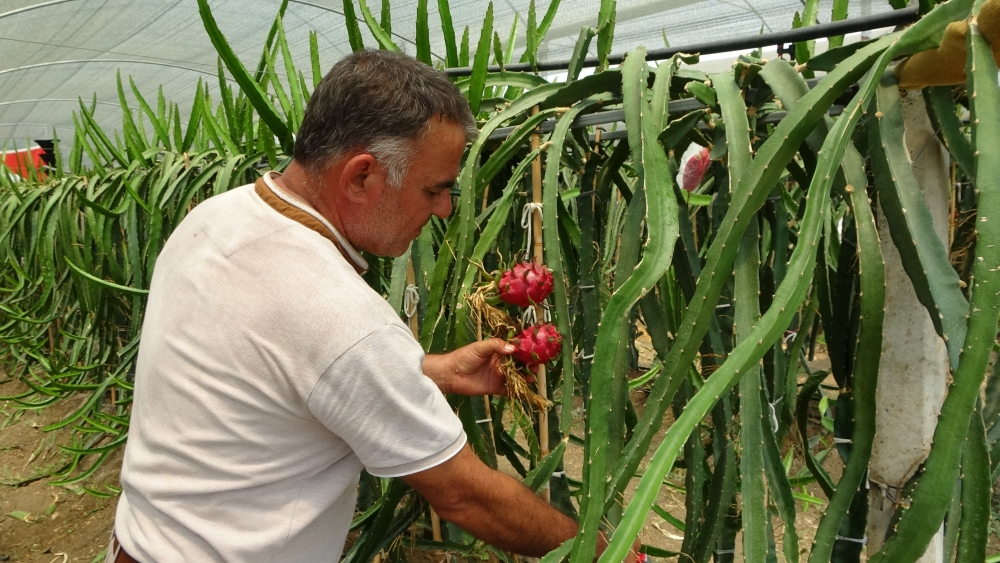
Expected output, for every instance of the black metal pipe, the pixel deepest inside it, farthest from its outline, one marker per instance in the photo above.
(887, 19)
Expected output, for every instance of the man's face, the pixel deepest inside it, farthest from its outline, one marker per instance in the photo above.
(388, 226)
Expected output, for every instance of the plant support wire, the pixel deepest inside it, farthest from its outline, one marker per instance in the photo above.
(842, 27)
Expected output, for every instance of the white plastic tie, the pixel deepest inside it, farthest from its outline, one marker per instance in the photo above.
(774, 415)
(484, 420)
(583, 356)
(586, 287)
(527, 216)
(841, 440)
(862, 541)
(547, 315)
(725, 551)
(558, 474)
(528, 317)
(410, 299)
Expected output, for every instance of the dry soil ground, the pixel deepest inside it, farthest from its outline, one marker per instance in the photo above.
(40, 523)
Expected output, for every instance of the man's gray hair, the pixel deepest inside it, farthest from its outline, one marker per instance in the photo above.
(381, 103)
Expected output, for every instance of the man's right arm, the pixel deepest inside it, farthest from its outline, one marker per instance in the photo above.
(492, 506)
(496, 508)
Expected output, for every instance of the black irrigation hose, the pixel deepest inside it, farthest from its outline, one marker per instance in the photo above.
(853, 25)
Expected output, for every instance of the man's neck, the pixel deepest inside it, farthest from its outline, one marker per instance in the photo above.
(299, 184)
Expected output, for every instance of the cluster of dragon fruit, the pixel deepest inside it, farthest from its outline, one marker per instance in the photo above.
(525, 285)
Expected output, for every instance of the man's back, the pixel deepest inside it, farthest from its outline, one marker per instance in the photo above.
(254, 373)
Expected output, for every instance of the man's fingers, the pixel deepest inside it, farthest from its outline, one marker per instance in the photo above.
(496, 346)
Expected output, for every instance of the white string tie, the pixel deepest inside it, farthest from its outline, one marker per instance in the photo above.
(583, 356)
(410, 299)
(725, 551)
(526, 219)
(484, 420)
(528, 317)
(547, 315)
(774, 416)
(841, 440)
(862, 541)
(558, 474)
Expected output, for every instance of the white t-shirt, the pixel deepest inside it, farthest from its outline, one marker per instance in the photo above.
(269, 374)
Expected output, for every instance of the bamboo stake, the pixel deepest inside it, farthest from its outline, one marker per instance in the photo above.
(479, 336)
(415, 329)
(538, 258)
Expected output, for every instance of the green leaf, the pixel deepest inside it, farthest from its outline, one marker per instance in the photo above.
(21, 515)
(479, 68)
(680, 128)
(839, 13)
(353, 30)
(424, 33)
(381, 35)
(249, 86)
(448, 30)
(579, 53)
(463, 56)
(105, 283)
(317, 71)
(605, 31)
(662, 229)
(498, 50)
(702, 92)
(386, 21)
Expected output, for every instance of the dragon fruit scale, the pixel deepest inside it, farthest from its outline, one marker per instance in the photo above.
(537, 344)
(525, 284)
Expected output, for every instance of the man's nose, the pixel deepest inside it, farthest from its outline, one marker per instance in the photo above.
(442, 206)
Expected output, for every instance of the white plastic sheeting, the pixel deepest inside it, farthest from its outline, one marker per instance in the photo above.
(54, 52)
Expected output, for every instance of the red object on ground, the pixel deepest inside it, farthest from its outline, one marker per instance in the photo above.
(537, 344)
(17, 160)
(525, 284)
(695, 170)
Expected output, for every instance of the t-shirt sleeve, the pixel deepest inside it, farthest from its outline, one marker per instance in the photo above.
(376, 398)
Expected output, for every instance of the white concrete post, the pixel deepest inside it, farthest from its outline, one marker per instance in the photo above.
(914, 367)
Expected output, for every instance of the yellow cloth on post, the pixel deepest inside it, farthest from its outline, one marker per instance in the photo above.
(945, 66)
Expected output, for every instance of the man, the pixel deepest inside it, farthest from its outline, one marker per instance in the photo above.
(269, 374)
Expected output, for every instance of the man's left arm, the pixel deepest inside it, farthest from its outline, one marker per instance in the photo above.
(471, 370)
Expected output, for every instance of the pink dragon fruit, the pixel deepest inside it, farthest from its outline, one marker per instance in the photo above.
(525, 284)
(537, 344)
(694, 167)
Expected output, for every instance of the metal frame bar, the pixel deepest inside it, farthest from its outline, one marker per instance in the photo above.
(888, 19)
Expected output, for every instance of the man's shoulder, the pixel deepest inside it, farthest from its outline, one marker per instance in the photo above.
(235, 219)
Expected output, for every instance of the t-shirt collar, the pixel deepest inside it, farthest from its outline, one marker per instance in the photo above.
(345, 247)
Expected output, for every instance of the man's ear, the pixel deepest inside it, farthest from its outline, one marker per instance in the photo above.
(359, 177)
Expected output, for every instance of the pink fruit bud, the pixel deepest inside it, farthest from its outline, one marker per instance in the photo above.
(525, 284)
(537, 344)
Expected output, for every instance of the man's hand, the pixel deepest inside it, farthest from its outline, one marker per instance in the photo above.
(471, 370)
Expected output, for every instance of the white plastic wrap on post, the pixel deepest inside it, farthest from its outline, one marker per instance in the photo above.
(913, 371)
